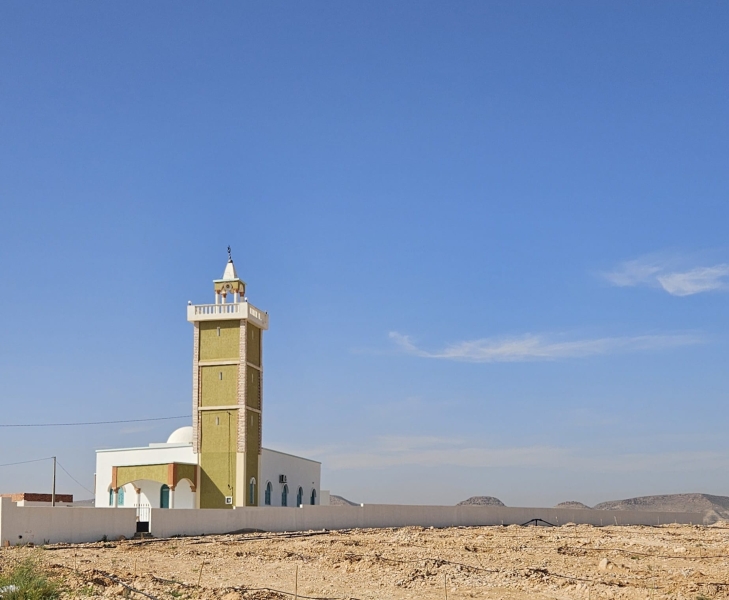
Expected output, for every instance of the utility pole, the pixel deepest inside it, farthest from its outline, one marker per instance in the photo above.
(53, 491)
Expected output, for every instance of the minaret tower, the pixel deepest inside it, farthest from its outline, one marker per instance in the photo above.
(227, 392)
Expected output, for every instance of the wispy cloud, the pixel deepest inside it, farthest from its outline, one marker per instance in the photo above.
(531, 347)
(423, 451)
(670, 274)
(701, 279)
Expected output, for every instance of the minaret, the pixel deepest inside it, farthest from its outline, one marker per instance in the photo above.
(227, 391)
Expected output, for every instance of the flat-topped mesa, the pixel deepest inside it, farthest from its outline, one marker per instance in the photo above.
(230, 302)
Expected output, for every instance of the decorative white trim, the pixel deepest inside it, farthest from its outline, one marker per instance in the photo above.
(195, 387)
(217, 363)
(242, 384)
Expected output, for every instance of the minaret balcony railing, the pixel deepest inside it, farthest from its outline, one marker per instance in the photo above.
(224, 311)
(216, 309)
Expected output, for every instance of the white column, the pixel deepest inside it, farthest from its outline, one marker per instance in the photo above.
(172, 497)
(116, 498)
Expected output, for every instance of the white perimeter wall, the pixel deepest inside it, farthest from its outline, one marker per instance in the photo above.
(23, 524)
(166, 523)
(300, 472)
(154, 455)
(20, 525)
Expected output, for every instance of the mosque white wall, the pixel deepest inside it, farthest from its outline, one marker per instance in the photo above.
(150, 455)
(184, 496)
(38, 525)
(300, 473)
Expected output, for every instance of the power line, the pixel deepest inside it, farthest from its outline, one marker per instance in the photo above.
(94, 422)
(25, 462)
(76, 480)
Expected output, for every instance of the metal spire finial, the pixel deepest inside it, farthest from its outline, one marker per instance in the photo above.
(230, 256)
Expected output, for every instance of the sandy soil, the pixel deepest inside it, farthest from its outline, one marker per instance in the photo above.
(509, 563)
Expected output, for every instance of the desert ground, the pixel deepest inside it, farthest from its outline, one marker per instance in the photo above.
(509, 563)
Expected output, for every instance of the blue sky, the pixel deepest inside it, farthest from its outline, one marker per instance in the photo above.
(492, 237)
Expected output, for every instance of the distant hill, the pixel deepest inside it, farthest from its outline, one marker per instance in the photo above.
(87, 503)
(339, 501)
(672, 503)
(481, 501)
(571, 504)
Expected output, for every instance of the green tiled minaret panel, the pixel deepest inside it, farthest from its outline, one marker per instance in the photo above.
(219, 340)
(217, 457)
(219, 385)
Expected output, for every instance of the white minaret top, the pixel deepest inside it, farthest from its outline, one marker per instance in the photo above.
(230, 301)
(230, 274)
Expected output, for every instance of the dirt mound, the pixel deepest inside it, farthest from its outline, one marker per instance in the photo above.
(672, 503)
(340, 501)
(481, 501)
(571, 504)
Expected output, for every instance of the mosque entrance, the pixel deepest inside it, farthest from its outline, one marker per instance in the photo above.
(144, 512)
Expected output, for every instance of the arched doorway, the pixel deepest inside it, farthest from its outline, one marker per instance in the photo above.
(252, 492)
(313, 497)
(300, 497)
(267, 497)
(164, 496)
(285, 496)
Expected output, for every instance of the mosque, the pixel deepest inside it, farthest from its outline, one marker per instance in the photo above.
(219, 461)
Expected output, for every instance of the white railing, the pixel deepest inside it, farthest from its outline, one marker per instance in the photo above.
(216, 309)
(233, 310)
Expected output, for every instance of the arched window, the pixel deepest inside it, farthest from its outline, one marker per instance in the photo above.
(285, 496)
(120, 497)
(111, 497)
(313, 497)
(267, 498)
(300, 497)
(164, 496)
(252, 492)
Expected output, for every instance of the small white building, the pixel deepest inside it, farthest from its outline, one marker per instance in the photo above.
(218, 462)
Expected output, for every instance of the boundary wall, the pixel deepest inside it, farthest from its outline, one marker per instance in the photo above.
(167, 523)
(38, 525)
(47, 524)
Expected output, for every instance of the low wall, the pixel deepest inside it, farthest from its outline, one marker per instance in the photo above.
(21, 525)
(24, 524)
(166, 523)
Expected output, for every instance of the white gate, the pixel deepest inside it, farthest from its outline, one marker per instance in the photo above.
(144, 511)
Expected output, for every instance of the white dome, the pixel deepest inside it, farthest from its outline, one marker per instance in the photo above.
(183, 435)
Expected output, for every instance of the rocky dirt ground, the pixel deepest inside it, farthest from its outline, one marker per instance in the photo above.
(509, 563)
